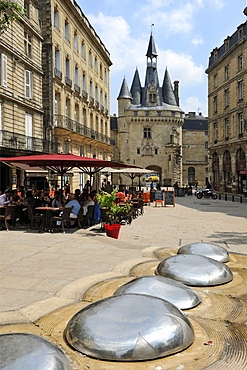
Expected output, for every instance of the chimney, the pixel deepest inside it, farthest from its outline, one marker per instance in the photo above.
(176, 93)
(192, 114)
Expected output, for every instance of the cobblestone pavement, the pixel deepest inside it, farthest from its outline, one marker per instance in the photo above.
(37, 267)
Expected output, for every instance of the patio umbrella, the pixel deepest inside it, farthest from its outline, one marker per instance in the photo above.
(131, 173)
(62, 163)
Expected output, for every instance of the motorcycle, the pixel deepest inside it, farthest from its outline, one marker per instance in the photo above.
(206, 193)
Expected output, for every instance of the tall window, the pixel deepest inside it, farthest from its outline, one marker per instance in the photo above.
(57, 103)
(1, 127)
(227, 73)
(240, 90)
(28, 84)
(27, 44)
(84, 82)
(57, 59)
(66, 30)
(91, 89)
(76, 42)
(216, 80)
(215, 132)
(215, 104)
(227, 128)
(96, 65)
(56, 19)
(3, 70)
(147, 133)
(67, 64)
(29, 130)
(90, 59)
(83, 51)
(76, 75)
(105, 76)
(241, 123)
(240, 62)
(227, 98)
(96, 93)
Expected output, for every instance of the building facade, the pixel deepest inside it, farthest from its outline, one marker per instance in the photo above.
(195, 149)
(21, 107)
(150, 123)
(76, 83)
(227, 102)
(54, 87)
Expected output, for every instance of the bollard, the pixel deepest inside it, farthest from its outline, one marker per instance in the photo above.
(233, 198)
(219, 196)
(225, 196)
(241, 200)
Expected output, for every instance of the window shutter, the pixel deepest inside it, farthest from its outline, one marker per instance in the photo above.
(3, 70)
(28, 84)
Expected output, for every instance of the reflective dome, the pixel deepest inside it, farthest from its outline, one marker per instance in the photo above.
(129, 327)
(30, 352)
(195, 270)
(172, 291)
(210, 250)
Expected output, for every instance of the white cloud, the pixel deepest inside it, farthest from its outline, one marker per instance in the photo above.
(182, 67)
(197, 40)
(193, 104)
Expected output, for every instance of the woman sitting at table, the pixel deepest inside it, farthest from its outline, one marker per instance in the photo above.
(57, 200)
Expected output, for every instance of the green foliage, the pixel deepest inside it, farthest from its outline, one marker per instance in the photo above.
(106, 200)
(9, 12)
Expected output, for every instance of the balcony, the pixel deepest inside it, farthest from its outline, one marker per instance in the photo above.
(91, 99)
(68, 81)
(74, 126)
(77, 88)
(12, 140)
(58, 73)
(84, 94)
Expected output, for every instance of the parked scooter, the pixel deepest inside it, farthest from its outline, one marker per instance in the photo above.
(206, 193)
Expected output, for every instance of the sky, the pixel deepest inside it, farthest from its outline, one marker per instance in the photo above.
(185, 32)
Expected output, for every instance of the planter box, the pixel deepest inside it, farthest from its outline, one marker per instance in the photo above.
(112, 230)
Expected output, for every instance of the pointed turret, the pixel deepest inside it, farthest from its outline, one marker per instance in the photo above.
(124, 91)
(167, 90)
(151, 48)
(136, 89)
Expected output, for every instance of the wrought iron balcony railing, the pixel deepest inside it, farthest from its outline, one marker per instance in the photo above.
(77, 88)
(12, 140)
(74, 126)
(58, 73)
(68, 81)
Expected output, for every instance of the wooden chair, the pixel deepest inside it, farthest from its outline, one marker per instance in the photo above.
(89, 216)
(64, 218)
(33, 218)
(78, 219)
(10, 215)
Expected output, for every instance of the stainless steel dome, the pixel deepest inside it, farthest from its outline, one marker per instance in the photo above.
(30, 352)
(210, 250)
(129, 327)
(172, 291)
(195, 270)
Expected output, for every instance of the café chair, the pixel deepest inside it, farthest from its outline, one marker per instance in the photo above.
(33, 218)
(10, 215)
(88, 218)
(64, 218)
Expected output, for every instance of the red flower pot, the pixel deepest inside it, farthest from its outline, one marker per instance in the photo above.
(112, 230)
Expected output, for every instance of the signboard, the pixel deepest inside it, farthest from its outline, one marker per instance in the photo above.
(169, 198)
(159, 197)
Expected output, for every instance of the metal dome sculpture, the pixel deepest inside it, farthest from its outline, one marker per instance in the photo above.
(210, 250)
(29, 352)
(172, 291)
(129, 327)
(195, 270)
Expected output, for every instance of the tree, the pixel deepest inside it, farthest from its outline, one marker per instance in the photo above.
(9, 12)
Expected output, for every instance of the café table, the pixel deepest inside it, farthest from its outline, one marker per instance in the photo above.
(48, 214)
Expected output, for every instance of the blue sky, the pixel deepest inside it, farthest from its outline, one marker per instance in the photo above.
(185, 33)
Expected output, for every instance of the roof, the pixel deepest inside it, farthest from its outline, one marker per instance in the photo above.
(124, 91)
(114, 123)
(151, 52)
(195, 124)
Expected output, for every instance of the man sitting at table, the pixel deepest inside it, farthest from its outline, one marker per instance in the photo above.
(72, 202)
(5, 198)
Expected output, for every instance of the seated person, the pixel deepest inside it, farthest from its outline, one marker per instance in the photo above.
(88, 202)
(77, 194)
(14, 198)
(30, 198)
(57, 199)
(72, 202)
(5, 198)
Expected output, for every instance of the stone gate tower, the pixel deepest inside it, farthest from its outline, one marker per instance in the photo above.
(150, 123)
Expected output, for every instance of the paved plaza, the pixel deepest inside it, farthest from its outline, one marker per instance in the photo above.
(43, 271)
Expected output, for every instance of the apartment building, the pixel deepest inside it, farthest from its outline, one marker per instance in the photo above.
(227, 101)
(195, 149)
(21, 108)
(76, 83)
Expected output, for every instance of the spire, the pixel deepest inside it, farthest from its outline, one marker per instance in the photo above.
(167, 90)
(124, 91)
(136, 89)
(151, 52)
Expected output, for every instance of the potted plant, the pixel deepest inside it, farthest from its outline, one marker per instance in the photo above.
(111, 209)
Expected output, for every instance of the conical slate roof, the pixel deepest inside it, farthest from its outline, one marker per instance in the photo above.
(124, 91)
(167, 90)
(151, 48)
(136, 89)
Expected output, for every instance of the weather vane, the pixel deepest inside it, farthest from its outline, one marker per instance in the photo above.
(153, 25)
